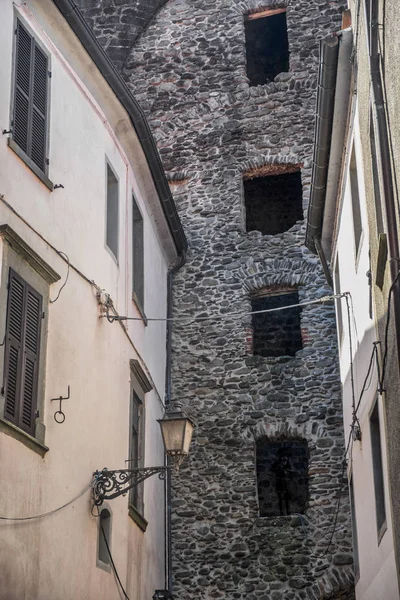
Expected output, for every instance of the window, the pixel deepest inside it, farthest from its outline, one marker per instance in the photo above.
(24, 295)
(354, 531)
(104, 541)
(136, 449)
(273, 203)
(282, 477)
(112, 212)
(276, 333)
(375, 175)
(376, 449)
(29, 124)
(21, 354)
(140, 385)
(355, 201)
(138, 255)
(267, 47)
(339, 313)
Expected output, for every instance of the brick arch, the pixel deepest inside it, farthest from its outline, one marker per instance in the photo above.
(279, 272)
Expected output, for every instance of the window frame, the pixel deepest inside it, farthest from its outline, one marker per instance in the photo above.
(139, 387)
(105, 566)
(378, 473)
(108, 166)
(138, 262)
(354, 188)
(39, 275)
(12, 144)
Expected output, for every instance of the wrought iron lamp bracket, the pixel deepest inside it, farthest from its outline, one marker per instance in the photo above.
(111, 484)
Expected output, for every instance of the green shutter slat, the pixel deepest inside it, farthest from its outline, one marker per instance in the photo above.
(22, 92)
(13, 346)
(11, 382)
(38, 130)
(31, 347)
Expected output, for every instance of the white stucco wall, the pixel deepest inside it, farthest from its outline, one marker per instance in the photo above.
(55, 558)
(377, 574)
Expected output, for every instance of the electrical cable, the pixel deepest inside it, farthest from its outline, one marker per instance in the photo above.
(66, 278)
(112, 562)
(231, 315)
(50, 512)
(353, 395)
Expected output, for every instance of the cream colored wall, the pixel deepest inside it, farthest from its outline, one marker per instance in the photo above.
(377, 574)
(55, 558)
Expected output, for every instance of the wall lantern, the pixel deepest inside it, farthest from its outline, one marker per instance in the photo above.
(162, 595)
(176, 430)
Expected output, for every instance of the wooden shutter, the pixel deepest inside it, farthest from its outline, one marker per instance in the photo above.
(23, 71)
(24, 311)
(30, 97)
(39, 109)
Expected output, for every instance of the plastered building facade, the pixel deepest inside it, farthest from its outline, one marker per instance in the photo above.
(67, 211)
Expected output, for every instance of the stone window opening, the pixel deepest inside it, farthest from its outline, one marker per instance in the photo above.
(273, 203)
(282, 477)
(267, 45)
(276, 333)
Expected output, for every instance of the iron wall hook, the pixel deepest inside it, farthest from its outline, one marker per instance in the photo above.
(61, 418)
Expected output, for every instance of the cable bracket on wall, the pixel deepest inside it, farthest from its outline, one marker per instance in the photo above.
(59, 416)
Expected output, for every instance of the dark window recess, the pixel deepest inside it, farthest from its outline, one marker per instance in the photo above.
(375, 175)
(276, 333)
(21, 355)
(136, 449)
(376, 449)
(273, 203)
(355, 201)
(104, 536)
(267, 48)
(282, 477)
(138, 254)
(112, 237)
(29, 121)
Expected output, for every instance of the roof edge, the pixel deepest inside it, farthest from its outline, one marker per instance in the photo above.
(82, 30)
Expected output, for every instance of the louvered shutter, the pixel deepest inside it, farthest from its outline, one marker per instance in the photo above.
(39, 109)
(23, 76)
(29, 381)
(30, 98)
(24, 312)
(13, 347)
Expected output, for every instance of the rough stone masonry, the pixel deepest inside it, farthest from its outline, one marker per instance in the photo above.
(185, 60)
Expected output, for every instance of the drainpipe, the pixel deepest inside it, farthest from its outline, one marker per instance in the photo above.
(387, 178)
(168, 376)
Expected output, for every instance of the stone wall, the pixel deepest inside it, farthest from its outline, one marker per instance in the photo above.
(118, 23)
(188, 70)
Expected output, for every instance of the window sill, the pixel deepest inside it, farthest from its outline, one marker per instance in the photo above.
(29, 163)
(23, 437)
(137, 304)
(382, 532)
(137, 518)
(104, 566)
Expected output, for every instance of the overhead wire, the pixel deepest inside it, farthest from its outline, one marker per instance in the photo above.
(50, 512)
(114, 568)
(66, 278)
(222, 317)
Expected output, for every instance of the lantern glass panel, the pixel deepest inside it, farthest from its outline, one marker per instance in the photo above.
(173, 431)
